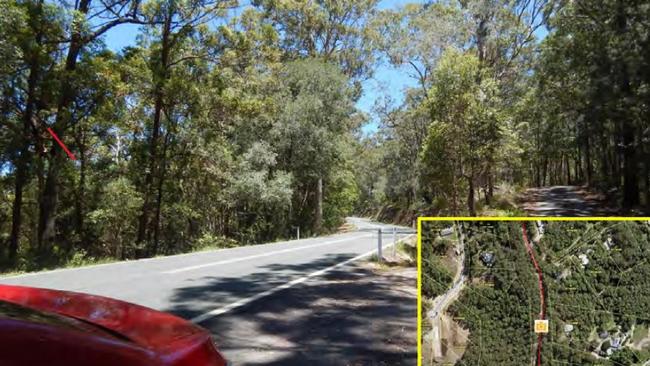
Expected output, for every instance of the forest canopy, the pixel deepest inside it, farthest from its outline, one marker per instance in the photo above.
(224, 124)
(601, 302)
(231, 123)
(511, 95)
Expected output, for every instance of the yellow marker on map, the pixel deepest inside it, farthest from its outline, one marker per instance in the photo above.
(541, 325)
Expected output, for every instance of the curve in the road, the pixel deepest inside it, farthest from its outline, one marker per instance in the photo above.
(202, 285)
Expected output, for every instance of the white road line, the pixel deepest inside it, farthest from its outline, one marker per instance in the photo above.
(248, 300)
(241, 259)
(132, 261)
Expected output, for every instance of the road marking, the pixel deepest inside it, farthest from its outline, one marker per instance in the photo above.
(165, 257)
(241, 259)
(248, 300)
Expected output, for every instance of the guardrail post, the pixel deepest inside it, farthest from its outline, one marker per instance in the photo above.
(394, 241)
(379, 256)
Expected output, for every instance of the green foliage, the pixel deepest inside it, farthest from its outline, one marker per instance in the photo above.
(329, 28)
(115, 218)
(466, 128)
(627, 357)
(252, 184)
(342, 194)
(13, 19)
(493, 105)
(586, 100)
(312, 138)
(500, 302)
(79, 258)
(209, 241)
(196, 136)
(436, 276)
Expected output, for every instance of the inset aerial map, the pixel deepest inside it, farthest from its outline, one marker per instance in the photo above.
(536, 293)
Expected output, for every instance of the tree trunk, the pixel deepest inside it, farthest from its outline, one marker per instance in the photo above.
(143, 232)
(16, 215)
(630, 166)
(470, 197)
(49, 200)
(646, 178)
(149, 176)
(50, 196)
(159, 196)
(21, 170)
(577, 166)
(568, 169)
(81, 191)
(630, 182)
(588, 169)
(537, 160)
(490, 190)
(22, 162)
(319, 205)
(481, 35)
(608, 161)
(454, 198)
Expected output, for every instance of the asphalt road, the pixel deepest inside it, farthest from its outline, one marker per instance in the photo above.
(208, 287)
(564, 201)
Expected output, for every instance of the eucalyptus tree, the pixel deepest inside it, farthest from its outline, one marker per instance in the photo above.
(174, 24)
(312, 131)
(331, 29)
(466, 129)
(415, 36)
(32, 40)
(85, 22)
(591, 82)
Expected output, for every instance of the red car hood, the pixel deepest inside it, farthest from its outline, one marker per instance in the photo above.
(174, 339)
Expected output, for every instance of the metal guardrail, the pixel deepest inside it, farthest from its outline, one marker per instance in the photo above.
(390, 231)
(394, 231)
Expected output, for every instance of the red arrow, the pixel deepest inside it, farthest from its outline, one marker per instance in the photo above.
(71, 155)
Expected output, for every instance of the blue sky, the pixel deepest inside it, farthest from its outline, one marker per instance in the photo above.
(386, 79)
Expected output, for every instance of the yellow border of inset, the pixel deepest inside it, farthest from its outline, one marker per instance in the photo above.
(488, 218)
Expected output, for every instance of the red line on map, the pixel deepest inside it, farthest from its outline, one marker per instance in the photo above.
(542, 311)
(71, 155)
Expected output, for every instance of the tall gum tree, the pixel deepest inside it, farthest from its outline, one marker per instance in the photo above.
(466, 127)
(333, 31)
(81, 32)
(174, 23)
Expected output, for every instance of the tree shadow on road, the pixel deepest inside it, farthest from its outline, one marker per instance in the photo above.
(564, 201)
(350, 316)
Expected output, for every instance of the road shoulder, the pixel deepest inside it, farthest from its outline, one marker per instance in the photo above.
(362, 314)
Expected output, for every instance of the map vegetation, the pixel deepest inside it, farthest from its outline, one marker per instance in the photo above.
(482, 293)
